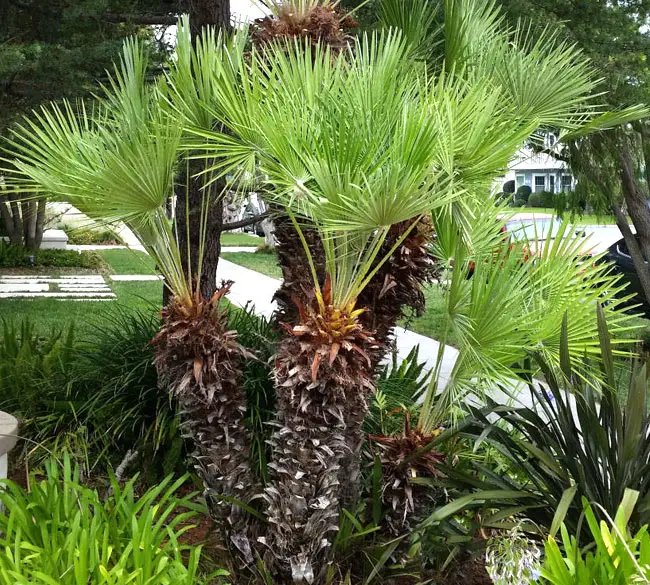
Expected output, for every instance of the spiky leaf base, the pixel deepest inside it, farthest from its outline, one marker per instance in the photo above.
(322, 386)
(405, 500)
(323, 24)
(200, 361)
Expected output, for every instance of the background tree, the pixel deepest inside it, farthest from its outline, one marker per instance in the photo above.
(50, 51)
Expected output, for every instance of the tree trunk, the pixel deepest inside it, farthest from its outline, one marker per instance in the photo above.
(18, 224)
(191, 225)
(636, 200)
(29, 223)
(8, 221)
(208, 13)
(202, 13)
(315, 410)
(199, 359)
(395, 290)
(40, 222)
(297, 281)
(634, 249)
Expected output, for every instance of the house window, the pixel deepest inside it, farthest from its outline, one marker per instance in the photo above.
(551, 183)
(566, 183)
(520, 180)
(540, 183)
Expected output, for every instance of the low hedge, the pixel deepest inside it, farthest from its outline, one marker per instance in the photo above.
(19, 257)
(87, 236)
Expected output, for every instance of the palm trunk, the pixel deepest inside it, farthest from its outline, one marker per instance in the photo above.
(322, 393)
(297, 286)
(395, 290)
(200, 361)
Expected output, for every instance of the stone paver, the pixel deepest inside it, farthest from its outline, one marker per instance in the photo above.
(67, 287)
(135, 277)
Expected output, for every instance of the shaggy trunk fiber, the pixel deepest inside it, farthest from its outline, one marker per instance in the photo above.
(394, 292)
(322, 388)
(406, 502)
(200, 361)
(297, 288)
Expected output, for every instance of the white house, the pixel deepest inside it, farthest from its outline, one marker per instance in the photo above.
(541, 172)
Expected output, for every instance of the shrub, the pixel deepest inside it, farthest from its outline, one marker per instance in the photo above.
(19, 257)
(89, 236)
(95, 400)
(62, 532)
(509, 187)
(518, 202)
(523, 192)
(536, 200)
(579, 433)
(101, 399)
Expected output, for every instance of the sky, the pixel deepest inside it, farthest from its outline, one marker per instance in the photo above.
(246, 10)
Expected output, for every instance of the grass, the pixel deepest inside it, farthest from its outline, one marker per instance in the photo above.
(586, 219)
(263, 262)
(430, 324)
(47, 313)
(241, 240)
(128, 262)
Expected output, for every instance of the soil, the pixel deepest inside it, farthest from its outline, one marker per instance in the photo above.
(470, 571)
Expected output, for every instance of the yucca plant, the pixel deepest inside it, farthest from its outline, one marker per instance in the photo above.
(119, 162)
(587, 436)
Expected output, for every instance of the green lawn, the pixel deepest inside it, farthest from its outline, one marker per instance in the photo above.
(263, 262)
(241, 240)
(129, 262)
(48, 313)
(430, 324)
(586, 219)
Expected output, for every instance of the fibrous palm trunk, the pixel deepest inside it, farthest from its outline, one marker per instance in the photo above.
(322, 389)
(199, 360)
(395, 290)
(297, 287)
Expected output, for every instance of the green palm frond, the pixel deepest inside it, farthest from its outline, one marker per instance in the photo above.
(417, 20)
(514, 304)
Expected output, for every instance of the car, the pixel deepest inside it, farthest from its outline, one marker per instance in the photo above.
(619, 257)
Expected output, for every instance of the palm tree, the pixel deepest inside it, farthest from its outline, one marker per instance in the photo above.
(118, 163)
(367, 143)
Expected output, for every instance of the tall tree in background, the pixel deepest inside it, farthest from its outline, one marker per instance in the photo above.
(49, 51)
(203, 13)
(59, 49)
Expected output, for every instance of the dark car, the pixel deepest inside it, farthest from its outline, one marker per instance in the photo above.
(619, 256)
